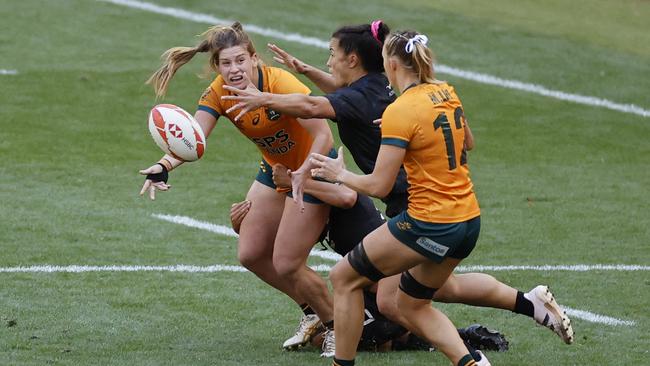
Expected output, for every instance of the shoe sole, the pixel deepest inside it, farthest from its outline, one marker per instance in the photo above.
(566, 330)
(295, 347)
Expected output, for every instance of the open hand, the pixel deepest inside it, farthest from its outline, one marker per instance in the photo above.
(328, 168)
(286, 59)
(238, 211)
(155, 180)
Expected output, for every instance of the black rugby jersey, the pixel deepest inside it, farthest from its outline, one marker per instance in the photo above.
(356, 107)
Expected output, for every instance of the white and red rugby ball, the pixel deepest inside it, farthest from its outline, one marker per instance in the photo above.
(176, 132)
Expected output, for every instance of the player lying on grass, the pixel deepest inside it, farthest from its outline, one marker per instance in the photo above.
(351, 218)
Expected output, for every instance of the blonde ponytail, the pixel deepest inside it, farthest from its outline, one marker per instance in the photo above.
(411, 49)
(215, 39)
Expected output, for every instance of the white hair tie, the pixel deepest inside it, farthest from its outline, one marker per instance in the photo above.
(410, 44)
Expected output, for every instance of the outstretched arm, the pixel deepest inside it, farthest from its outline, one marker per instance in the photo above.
(323, 80)
(157, 173)
(297, 105)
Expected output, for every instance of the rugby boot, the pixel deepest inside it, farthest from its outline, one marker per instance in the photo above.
(549, 314)
(308, 326)
(329, 344)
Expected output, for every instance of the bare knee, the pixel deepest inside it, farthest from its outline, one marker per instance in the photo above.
(249, 260)
(409, 306)
(449, 292)
(387, 305)
(288, 267)
(345, 279)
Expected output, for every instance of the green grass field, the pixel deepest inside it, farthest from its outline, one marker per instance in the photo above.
(560, 183)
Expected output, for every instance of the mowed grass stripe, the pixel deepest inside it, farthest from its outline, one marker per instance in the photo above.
(463, 74)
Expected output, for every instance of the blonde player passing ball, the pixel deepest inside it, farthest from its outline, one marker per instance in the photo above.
(276, 235)
(423, 130)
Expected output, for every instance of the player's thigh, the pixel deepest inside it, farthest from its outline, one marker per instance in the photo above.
(298, 232)
(259, 227)
(418, 289)
(389, 255)
(432, 274)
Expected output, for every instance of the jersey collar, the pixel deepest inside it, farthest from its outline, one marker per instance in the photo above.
(260, 79)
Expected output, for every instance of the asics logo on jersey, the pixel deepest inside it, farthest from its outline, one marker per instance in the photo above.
(432, 246)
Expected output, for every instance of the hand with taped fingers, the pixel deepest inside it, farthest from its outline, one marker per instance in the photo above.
(327, 168)
(156, 179)
(238, 211)
(281, 176)
(248, 99)
(286, 59)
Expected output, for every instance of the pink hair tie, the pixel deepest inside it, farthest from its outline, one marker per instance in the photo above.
(374, 29)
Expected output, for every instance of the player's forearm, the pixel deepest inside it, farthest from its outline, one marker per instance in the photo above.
(323, 80)
(333, 194)
(369, 185)
(169, 162)
(297, 105)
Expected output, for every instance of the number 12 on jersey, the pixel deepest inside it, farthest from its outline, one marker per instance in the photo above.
(442, 123)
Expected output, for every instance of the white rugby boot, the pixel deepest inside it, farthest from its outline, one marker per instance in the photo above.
(307, 327)
(549, 314)
(329, 344)
(483, 361)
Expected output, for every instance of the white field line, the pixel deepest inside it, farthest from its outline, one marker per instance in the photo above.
(224, 230)
(581, 314)
(597, 318)
(8, 72)
(459, 73)
(112, 268)
(188, 221)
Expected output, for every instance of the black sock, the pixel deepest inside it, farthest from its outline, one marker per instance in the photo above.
(329, 324)
(523, 305)
(472, 351)
(467, 360)
(338, 362)
(306, 309)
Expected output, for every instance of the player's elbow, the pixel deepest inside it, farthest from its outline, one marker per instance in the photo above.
(310, 110)
(347, 199)
(380, 190)
(469, 145)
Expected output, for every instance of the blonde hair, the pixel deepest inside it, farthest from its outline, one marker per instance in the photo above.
(214, 41)
(420, 58)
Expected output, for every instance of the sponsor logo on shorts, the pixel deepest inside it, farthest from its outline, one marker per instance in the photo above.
(432, 246)
(403, 225)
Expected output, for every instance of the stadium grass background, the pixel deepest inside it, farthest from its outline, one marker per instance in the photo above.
(559, 183)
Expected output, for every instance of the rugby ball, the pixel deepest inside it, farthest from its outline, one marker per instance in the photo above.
(176, 132)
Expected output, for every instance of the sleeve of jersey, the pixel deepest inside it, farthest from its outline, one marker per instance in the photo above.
(395, 129)
(283, 82)
(209, 102)
(348, 104)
